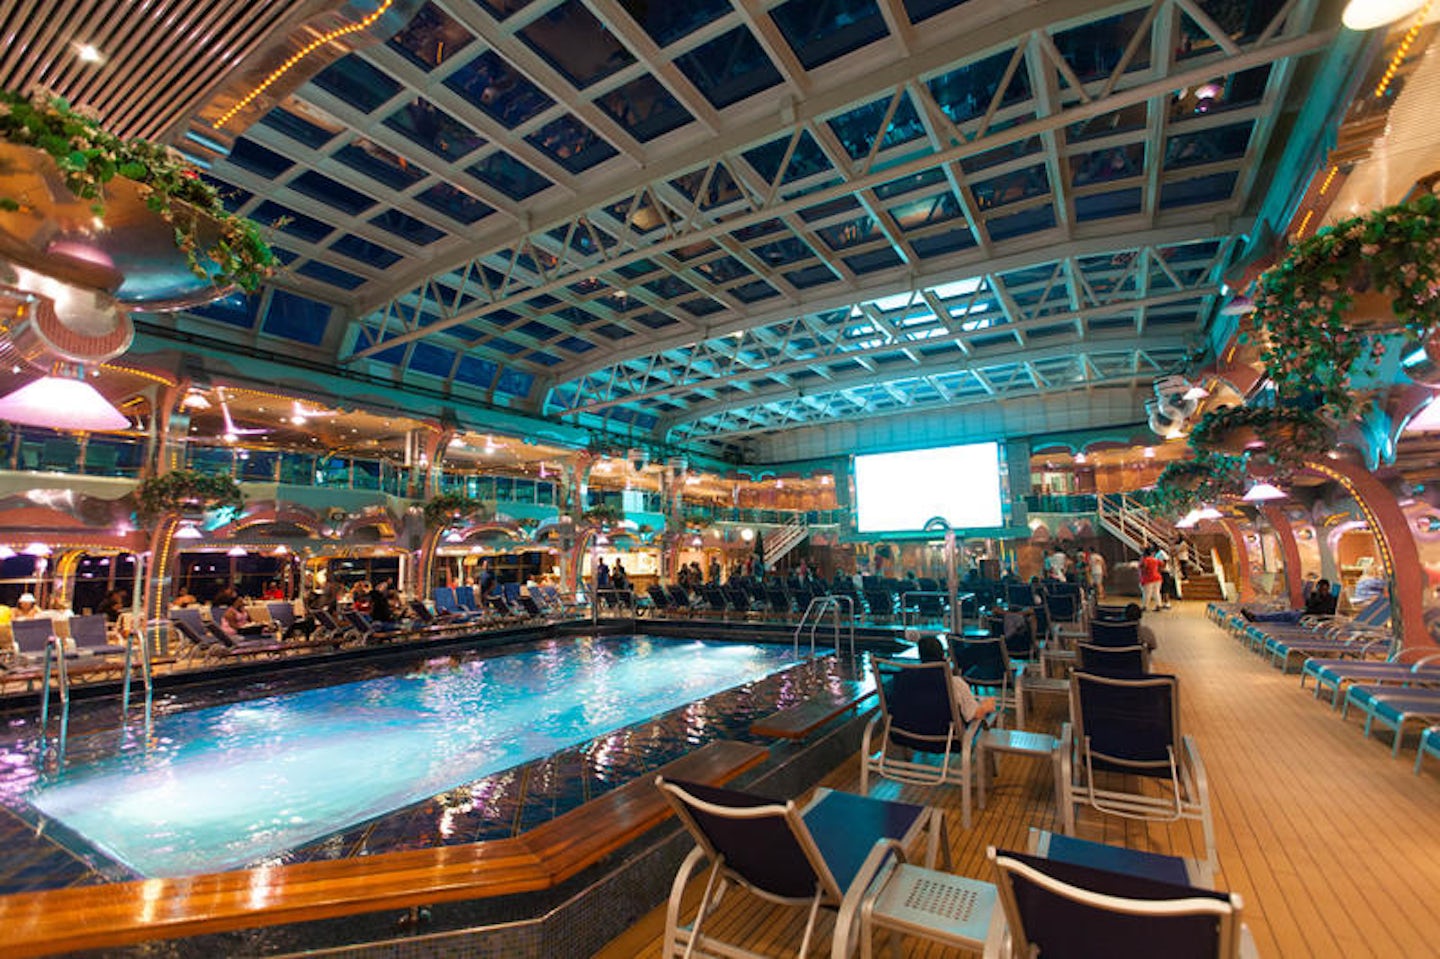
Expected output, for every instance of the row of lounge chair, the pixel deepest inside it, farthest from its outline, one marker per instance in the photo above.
(1360, 665)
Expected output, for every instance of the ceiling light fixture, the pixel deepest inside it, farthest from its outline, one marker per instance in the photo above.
(1369, 14)
(62, 403)
(188, 531)
(237, 551)
(89, 53)
(1262, 492)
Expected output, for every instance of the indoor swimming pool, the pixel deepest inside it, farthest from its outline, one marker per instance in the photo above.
(243, 783)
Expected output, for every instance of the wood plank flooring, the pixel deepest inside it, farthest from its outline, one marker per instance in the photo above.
(1333, 845)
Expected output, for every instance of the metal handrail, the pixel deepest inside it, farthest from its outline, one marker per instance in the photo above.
(819, 605)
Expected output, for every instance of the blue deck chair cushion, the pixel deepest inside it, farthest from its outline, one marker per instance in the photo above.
(763, 850)
(918, 700)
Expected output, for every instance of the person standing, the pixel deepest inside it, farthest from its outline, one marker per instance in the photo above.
(714, 571)
(602, 574)
(1150, 579)
(1097, 573)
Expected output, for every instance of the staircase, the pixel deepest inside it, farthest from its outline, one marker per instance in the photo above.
(782, 540)
(1202, 587)
(1134, 525)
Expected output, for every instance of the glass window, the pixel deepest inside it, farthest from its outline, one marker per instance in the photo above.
(508, 175)
(430, 38)
(359, 248)
(493, 85)
(571, 143)
(645, 108)
(320, 187)
(296, 317)
(233, 309)
(299, 128)
(821, 32)
(432, 128)
(407, 227)
(380, 164)
(356, 82)
(857, 129)
(332, 275)
(574, 42)
(249, 155)
(454, 203)
(291, 221)
(729, 68)
(429, 358)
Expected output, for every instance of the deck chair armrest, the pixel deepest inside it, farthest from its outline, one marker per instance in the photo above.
(876, 862)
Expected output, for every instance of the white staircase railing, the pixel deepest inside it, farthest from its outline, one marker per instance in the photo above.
(1132, 523)
(784, 539)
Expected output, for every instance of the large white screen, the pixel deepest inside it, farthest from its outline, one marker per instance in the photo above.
(902, 491)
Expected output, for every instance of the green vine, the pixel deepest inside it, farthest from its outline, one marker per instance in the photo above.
(1185, 484)
(1302, 301)
(88, 157)
(182, 491)
(1287, 436)
(447, 508)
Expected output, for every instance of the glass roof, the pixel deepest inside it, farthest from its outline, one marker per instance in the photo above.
(667, 215)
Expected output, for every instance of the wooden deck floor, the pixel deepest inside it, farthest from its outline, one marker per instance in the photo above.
(1333, 845)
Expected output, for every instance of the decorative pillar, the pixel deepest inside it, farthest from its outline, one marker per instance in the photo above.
(168, 420)
(1289, 551)
(1398, 554)
(1243, 586)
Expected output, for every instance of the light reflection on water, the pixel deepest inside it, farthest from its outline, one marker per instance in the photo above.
(229, 785)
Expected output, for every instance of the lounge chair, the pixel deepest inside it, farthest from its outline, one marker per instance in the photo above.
(1129, 729)
(822, 857)
(1121, 634)
(1407, 667)
(367, 630)
(1429, 745)
(1394, 707)
(919, 714)
(1060, 910)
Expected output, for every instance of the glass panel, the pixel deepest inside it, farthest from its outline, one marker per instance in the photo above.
(821, 32)
(358, 83)
(455, 203)
(304, 129)
(496, 87)
(430, 38)
(359, 248)
(858, 128)
(570, 142)
(434, 129)
(645, 108)
(575, 43)
(807, 160)
(292, 221)
(327, 191)
(249, 155)
(729, 68)
(378, 163)
(296, 317)
(667, 21)
(1208, 146)
(965, 93)
(367, 475)
(406, 226)
(1012, 187)
(508, 175)
(257, 465)
(1094, 49)
(334, 276)
(1102, 166)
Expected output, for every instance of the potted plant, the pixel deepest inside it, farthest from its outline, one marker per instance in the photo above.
(447, 508)
(186, 492)
(1374, 273)
(218, 246)
(1285, 436)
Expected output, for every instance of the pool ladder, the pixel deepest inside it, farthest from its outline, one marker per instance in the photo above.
(55, 664)
(815, 613)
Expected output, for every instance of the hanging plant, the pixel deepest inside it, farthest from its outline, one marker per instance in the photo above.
(1185, 484)
(88, 157)
(1281, 436)
(449, 508)
(1313, 339)
(186, 491)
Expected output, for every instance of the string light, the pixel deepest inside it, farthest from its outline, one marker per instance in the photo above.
(1402, 51)
(299, 55)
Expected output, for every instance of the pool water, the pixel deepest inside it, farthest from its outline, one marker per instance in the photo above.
(227, 786)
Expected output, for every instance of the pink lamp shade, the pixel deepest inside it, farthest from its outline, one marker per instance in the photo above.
(1263, 492)
(61, 403)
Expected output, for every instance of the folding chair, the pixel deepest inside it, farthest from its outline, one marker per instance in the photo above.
(1124, 728)
(919, 714)
(1061, 910)
(823, 857)
(1125, 662)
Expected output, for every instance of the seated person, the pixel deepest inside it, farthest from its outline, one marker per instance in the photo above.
(971, 708)
(273, 591)
(380, 608)
(1143, 633)
(237, 623)
(25, 607)
(1321, 602)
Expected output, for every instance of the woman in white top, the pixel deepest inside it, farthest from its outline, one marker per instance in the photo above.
(971, 708)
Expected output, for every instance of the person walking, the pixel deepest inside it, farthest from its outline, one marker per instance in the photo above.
(1150, 579)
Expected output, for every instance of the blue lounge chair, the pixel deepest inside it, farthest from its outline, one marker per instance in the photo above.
(1128, 731)
(1394, 707)
(919, 714)
(1429, 745)
(1335, 674)
(986, 665)
(824, 857)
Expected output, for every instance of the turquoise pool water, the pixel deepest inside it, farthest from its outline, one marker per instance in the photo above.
(236, 785)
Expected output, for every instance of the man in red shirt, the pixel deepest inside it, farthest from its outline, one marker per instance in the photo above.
(1150, 579)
